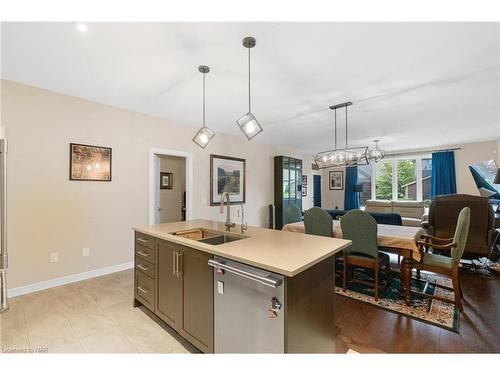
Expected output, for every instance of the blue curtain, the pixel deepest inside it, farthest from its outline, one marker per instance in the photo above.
(443, 173)
(351, 198)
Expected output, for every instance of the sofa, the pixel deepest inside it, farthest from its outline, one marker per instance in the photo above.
(412, 212)
(380, 218)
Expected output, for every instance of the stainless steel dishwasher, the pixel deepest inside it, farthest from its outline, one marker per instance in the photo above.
(248, 309)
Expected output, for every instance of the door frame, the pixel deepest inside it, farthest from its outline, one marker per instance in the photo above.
(154, 177)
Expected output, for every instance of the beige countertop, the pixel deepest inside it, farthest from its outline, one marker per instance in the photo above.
(286, 253)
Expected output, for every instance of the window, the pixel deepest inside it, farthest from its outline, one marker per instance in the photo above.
(426, 178)
(383, 181)
(403, 179)
(365, 179)
(407, 180)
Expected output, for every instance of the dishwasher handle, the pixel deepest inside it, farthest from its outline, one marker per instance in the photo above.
(269, 281)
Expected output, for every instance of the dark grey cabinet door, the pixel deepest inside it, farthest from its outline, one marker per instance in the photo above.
(169, 297)
(197, 299)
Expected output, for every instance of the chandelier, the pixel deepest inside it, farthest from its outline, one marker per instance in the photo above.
(342, 157)
(376, 154)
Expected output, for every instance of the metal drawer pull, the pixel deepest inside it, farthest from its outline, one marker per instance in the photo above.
(141, 267)
(143, 290)
(269, 281)
(143, 254)
(173, 262)
(178, 262)
(143, 240)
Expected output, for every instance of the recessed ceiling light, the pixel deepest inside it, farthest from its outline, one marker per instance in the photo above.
(81, 27)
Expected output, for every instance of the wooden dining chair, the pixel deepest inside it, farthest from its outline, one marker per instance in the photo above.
(444, 265)
(293, 213)
(361, 229)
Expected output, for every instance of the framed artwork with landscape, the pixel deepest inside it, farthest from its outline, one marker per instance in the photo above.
(336, 180)
(227, 174)
(89, 163)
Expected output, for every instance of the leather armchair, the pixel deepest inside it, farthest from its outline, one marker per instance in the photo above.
(443, 215)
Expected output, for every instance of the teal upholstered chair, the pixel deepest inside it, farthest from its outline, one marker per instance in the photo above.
(293, 213)
(361, 228)
(318, 222)
(448, 266)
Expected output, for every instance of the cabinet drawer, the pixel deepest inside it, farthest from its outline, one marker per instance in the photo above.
(145, 267)
(144, 289)
(145, 253)
(145, 240)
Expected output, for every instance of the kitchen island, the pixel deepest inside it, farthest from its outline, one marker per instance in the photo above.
(261, 291)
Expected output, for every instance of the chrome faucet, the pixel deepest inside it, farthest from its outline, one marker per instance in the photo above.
(244, 225)
(228, 223)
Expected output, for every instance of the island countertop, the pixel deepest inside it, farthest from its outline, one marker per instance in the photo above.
(286, 253)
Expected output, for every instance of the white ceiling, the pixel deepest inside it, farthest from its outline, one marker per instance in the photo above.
(413, 85)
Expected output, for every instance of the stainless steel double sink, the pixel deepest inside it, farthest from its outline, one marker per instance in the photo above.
(210, 236)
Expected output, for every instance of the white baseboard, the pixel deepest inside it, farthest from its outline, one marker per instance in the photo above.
(14, 292)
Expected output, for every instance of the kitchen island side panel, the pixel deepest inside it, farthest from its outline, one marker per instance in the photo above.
(309, 320)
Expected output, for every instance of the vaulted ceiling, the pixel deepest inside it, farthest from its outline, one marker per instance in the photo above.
(413, 85)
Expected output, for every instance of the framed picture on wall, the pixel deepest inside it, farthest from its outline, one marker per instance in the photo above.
(166, 180)
(227, 174)
(304, 180)
(304, 190)
(89, 163)
(336, 180)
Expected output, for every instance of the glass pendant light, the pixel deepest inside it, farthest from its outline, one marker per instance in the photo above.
(248, 123)
(204, 135)
(376, 154)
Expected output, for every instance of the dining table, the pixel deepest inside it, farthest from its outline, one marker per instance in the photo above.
(399, 239)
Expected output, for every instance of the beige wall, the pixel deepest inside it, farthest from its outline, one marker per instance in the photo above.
(469, 153)
(171, 199)
(498, 151)
(48, 213)
(472, 153)
(331, 198)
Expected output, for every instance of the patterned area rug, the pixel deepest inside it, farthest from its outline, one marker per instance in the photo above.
(432, 311)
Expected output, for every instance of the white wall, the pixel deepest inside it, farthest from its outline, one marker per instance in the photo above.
(171, 199)
(48, 213)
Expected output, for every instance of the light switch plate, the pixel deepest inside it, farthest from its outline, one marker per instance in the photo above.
(53, 257)
(220, 287)
(85, 252)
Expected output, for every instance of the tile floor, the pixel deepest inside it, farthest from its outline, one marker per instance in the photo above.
(91, 316)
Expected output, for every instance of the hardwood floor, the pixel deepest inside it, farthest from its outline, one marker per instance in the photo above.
(360, 324)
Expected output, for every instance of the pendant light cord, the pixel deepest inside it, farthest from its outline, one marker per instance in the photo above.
(335, 145)
(346, 127)
(204, 99)
(249, 101)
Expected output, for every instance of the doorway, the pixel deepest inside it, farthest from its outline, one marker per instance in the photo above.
(170, 186)
(316, 190)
